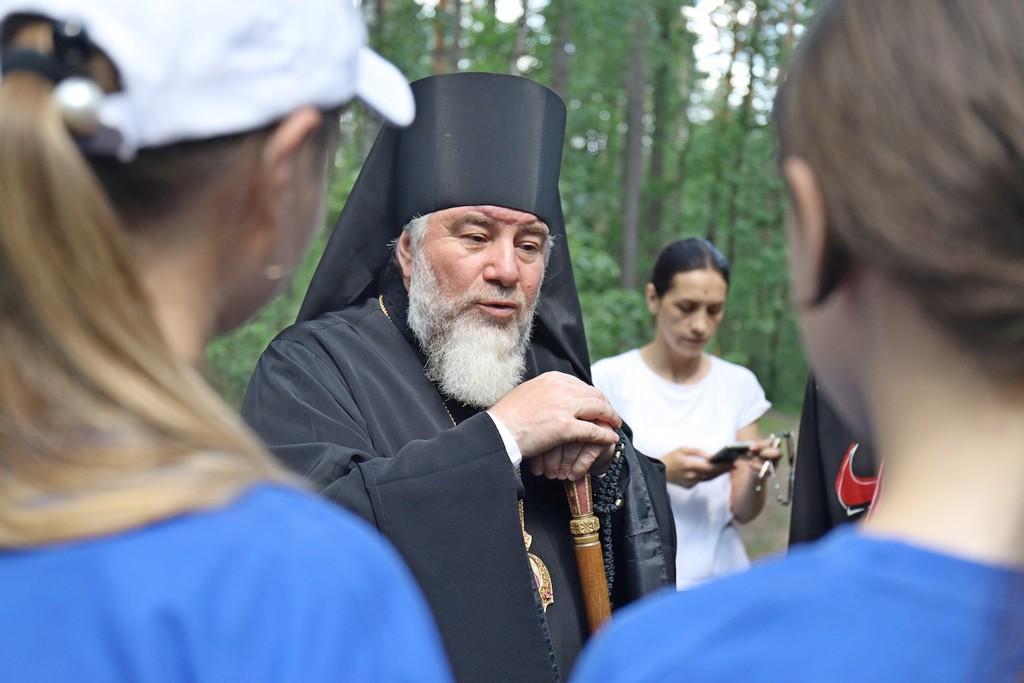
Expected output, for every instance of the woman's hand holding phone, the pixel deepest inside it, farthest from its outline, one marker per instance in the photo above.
(687, 466)
(730, 452)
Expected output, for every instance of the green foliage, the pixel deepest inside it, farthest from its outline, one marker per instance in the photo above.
(232, 358)
(404, 36)
(616, 319)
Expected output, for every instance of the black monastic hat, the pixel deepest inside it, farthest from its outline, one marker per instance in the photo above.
(478, 138)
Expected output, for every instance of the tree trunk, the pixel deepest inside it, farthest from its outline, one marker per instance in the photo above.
(743, 131)
(721, 126)
(791, 25)
(633, 167)
(373, 14)
(665, 83)
(560, 58)
(679, 186)
(366, 130)
(456, 34)
(440, 65)
(520, 48)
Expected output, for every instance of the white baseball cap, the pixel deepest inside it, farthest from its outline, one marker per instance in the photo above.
(195, 69)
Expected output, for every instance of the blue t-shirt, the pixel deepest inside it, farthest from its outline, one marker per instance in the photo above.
(850, 608)
(276, 586)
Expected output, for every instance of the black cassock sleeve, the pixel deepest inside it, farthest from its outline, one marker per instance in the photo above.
(305, 411)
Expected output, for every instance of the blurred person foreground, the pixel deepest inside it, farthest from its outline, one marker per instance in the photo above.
(152, 194)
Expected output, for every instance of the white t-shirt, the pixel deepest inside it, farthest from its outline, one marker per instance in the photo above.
(707, 415)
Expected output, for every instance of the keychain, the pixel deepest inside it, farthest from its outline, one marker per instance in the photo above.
(786, 440)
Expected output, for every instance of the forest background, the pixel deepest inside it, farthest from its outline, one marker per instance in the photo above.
(668, 136)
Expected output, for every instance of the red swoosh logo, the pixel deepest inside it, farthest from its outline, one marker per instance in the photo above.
(855, 493)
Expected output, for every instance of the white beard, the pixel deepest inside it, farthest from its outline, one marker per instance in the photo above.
(474, 360)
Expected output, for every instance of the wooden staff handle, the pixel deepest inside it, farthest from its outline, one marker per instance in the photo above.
(584, 526)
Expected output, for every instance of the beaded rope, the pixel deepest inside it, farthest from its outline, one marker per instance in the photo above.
(606, 502)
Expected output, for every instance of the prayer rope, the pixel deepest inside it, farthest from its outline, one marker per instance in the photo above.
(606, 502)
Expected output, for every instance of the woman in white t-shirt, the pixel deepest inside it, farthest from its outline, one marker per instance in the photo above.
(683, 405)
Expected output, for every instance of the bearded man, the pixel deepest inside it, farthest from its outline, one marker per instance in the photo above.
(437, 382)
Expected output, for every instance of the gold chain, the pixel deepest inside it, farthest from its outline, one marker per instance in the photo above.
(527, 538)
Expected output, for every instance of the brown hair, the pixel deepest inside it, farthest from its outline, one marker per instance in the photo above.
(102, 428)
(911, 115)
(682, 256)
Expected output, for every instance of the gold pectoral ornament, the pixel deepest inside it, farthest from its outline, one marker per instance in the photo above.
(541, 576)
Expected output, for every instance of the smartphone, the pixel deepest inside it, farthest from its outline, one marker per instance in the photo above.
(730, 452)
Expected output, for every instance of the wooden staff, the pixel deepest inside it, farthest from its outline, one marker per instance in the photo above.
(584, 526)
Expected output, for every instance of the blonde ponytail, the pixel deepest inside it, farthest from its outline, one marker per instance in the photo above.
(102, 428)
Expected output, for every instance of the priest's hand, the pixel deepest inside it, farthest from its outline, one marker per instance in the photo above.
(562, 420)
(572, 460)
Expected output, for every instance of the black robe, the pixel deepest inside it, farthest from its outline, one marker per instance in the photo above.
(343, 400)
